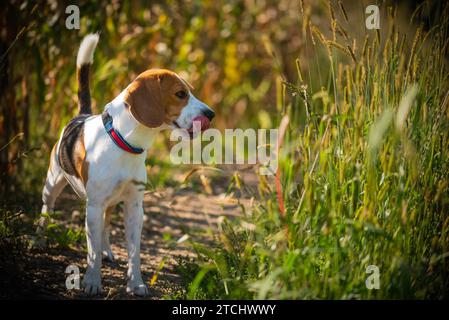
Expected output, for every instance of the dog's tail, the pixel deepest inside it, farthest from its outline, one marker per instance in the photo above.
(83, 61)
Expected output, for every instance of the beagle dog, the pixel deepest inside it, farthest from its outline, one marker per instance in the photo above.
(102, 157)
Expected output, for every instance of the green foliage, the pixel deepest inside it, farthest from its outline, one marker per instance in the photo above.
(10, 237)
(62, 236)
(365, 181)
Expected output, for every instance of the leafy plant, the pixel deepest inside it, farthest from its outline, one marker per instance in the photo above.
(62, 236)
(364, 177)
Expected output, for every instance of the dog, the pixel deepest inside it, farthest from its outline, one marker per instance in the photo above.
(103, 156)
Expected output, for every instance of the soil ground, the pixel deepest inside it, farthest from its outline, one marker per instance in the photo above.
(171, 216)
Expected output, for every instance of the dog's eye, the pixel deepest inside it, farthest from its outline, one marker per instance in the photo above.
(181, 94)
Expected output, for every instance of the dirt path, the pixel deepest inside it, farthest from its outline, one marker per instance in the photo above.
(173, 218)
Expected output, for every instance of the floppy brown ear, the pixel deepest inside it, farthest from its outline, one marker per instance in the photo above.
(143, 98)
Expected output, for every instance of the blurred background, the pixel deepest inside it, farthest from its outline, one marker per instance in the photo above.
(235, 53)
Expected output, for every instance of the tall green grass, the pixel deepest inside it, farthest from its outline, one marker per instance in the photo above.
(364, 176)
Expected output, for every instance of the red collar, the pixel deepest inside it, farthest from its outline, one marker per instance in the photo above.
(116, 136)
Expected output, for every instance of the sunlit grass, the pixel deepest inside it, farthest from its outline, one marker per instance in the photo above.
(365, 182)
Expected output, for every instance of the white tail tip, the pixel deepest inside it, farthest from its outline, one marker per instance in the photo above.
(86, 50)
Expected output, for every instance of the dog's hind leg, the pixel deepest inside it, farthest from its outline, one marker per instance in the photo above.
(105, 244)
(54, 184)
(94, 228)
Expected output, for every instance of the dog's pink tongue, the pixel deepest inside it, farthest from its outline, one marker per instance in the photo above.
(204, 121)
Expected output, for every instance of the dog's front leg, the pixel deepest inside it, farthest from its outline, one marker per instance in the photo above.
(94, 229)
(133, 230)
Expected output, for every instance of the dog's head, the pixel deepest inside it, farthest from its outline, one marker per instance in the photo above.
(158, 96)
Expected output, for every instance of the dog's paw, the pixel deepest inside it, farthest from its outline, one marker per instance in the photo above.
(92, 285)
(139, 289)
(108, 256)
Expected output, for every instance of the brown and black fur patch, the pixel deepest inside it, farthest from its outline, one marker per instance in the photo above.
(72, 152)
(84, 100)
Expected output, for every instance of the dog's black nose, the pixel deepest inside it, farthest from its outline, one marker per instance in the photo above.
(209, 114)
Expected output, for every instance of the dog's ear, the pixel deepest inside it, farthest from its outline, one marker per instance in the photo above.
(144, 101)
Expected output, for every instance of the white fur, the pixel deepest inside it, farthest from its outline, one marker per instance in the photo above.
(86, 50)
(114, 176)
(193, 109)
